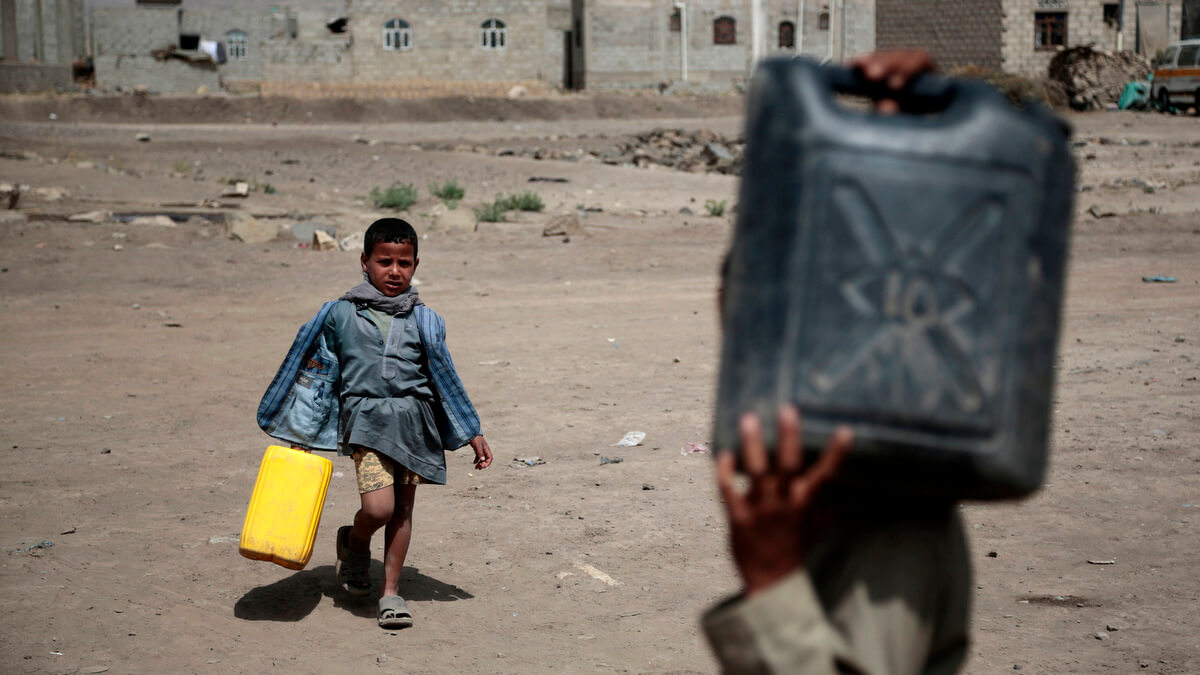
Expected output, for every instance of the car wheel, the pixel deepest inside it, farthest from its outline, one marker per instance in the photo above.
(1196, 103)
(1164, 99)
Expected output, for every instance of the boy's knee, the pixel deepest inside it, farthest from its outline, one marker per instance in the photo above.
(376, 514)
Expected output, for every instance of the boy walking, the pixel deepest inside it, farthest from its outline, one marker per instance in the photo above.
(370, 376)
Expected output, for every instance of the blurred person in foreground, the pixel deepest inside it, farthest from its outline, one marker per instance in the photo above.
(836, 581)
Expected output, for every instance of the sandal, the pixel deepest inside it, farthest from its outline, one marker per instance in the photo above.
(393, 612)
(353, 568)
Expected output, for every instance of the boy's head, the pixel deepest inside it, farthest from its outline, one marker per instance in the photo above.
(389, 256)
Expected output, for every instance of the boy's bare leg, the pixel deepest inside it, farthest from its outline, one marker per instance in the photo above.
(376, 511)
(397, 537)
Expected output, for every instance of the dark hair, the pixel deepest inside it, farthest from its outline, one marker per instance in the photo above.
(389, 231)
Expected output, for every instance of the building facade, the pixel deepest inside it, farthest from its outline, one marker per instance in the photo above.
(468, 47)
(1022, 36)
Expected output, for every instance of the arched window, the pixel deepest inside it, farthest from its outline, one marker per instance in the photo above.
(397, 34)
(493, 34)
(235, 45)
(675, 20)
(787, 35)
(823, 21)
(724, 31)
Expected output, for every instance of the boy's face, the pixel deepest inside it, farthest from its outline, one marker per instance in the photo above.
(390, 267)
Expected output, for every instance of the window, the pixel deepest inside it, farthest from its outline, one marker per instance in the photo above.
(1187, 55)
(787, 35)
(1049, 29)
(493, 34)
(823, 21)
(397, 34)
(724, 31)
(1111, 14)
(235, 45)
(1168, 57)
(675, 20)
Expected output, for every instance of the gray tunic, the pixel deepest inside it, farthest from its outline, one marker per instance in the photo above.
(384, 390)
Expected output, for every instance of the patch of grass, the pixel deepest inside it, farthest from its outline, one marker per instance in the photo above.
(268, 189)
(715, 208)
(449, 192)
(182, 166)
(491, 213)
(397, 196)
(526, 201)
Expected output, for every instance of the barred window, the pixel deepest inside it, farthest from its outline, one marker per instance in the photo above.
(235, 45)
(397, 34)
(1049, 29)
(493, 34)
(724, 31)
(787, 35)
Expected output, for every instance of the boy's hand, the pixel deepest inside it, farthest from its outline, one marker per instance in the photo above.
(302, 448)
(771, 523)
(483, 452)
(895, 69)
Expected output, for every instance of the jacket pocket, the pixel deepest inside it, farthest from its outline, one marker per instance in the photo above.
(313, 395)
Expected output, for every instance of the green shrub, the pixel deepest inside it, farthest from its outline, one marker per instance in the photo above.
(491, 213)
(398, 196)
(715, 208)
(268, 189)
(449, 192)
(526, 201)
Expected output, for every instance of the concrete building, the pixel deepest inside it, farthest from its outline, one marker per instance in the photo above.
(469, 47)
(634, 42)
(1022, 36)
(39, 40)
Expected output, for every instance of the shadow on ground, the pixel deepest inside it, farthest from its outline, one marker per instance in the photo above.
(295, 597)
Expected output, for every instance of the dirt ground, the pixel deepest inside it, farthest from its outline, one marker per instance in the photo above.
(135, 356)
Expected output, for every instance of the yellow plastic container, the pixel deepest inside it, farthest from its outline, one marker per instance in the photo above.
(285, 509)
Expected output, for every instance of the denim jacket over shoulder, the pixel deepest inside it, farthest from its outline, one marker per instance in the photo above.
(301, 404)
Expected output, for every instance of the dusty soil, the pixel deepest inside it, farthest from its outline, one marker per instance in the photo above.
(136, 355)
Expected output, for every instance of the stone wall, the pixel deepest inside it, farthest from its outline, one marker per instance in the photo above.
(129, 72)
(30, 77)
(129, 31)
(956, 32)
(44, 31)
(446, 41)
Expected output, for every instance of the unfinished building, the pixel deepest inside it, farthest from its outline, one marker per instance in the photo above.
(39, 40)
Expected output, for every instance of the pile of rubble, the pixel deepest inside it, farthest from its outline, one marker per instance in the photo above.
(1093, 79)
(699, 151)
(694, 151)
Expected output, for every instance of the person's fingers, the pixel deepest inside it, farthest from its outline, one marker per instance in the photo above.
(735, 506)
(825, 468)
(887, 106)
(754, 453)
(790, 457)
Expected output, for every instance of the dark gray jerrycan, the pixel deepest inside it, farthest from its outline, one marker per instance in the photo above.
(900, 274)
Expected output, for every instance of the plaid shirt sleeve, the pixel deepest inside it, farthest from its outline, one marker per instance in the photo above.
(463, 421)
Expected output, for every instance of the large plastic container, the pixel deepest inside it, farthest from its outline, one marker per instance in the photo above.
(285, 508)
(901, 274)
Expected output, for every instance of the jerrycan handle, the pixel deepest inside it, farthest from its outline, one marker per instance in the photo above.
(924, 94)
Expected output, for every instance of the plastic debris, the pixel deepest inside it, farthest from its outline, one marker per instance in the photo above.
(631, 439)
(1159, 279)
(1102, 562)
(694, 449)
(529, 461)
(610, 460)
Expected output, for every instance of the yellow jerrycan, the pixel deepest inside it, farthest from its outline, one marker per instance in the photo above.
(285, 508)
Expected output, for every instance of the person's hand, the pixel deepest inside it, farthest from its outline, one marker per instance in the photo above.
(771, 523)
(895, 69)
(301, 448)
(483, 452)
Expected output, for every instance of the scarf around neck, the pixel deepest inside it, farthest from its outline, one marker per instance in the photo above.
(366, 294)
